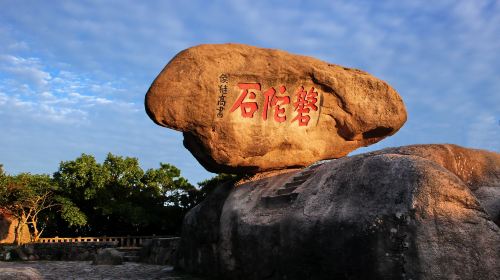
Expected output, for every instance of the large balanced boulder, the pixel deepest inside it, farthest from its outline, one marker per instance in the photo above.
(244, 109)
(402, 213)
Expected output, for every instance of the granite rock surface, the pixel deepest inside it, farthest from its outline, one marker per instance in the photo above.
(415, 212)
(244, 109)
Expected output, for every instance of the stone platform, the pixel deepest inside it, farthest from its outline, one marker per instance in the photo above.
(52, 270)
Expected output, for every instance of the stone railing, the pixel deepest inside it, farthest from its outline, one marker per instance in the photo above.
(120, 241)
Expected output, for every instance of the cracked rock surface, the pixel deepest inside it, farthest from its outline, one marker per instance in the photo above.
(240, 110)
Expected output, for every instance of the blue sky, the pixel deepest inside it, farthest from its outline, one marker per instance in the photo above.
(73, 74)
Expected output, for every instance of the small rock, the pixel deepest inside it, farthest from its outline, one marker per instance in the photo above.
(20, 254)
(168, 268)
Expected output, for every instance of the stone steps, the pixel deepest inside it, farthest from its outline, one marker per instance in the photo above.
(285, 195)
(279, 200)
(130, 254)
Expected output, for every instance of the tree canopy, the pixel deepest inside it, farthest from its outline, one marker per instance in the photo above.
(119, 197)
(28, 198)
(116, 197)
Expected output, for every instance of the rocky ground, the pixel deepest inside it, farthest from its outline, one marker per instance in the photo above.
(48, 270)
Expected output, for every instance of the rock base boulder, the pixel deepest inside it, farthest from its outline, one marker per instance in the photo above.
(109, 256)
(159, 251)
(416, 212)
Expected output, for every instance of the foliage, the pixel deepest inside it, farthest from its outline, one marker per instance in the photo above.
(115, 197)
(118, 197)
(26, 196)
(209, 185)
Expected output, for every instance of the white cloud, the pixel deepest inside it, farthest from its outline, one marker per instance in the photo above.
(62, 115)
(98, 58)
(92, 100)
(18, 46)
(3, 98)
(25, 69)
(27, 88)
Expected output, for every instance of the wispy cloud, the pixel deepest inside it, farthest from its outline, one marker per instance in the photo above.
(88, 64)
(27, 70)
(26, 87)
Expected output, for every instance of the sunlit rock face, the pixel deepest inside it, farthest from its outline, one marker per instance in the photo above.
(415, 212)
(245, 109)
(8, 225)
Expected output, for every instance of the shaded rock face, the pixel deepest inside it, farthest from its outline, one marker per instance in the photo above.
(244, 109)
(159, 250)
(403, 213)
(108, 256)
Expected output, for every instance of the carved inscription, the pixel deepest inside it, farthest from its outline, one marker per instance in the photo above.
(276, 103)
(221, 102)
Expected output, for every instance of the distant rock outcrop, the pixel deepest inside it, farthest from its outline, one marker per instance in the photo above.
(8, 225)
(415, 212)
(244, 109)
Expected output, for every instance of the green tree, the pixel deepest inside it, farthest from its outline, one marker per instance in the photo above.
(207, 186)
(168, 183)
(79, 181)
(118, 197)
(118, 200)
(26, 197)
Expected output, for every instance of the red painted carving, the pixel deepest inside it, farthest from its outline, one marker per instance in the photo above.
(269, 96)
(306, 101)
(272, 100)
(247, 108)
(276, 101)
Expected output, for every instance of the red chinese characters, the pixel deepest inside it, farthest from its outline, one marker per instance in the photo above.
(306, 101)
(275, 103)
(247, 108)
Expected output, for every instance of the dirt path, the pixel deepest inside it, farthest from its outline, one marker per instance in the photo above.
(52, 270)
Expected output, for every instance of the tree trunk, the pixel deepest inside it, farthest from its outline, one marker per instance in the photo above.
(36, 232)
(18, 236)
(17, 232)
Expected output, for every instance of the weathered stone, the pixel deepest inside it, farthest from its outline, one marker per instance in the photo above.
(50, 270)
(8, 224)
(24, 273)
(159, 250)
(200, 90)
(109, 256)
(71, 251)
(20, 254)
(400, 213)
